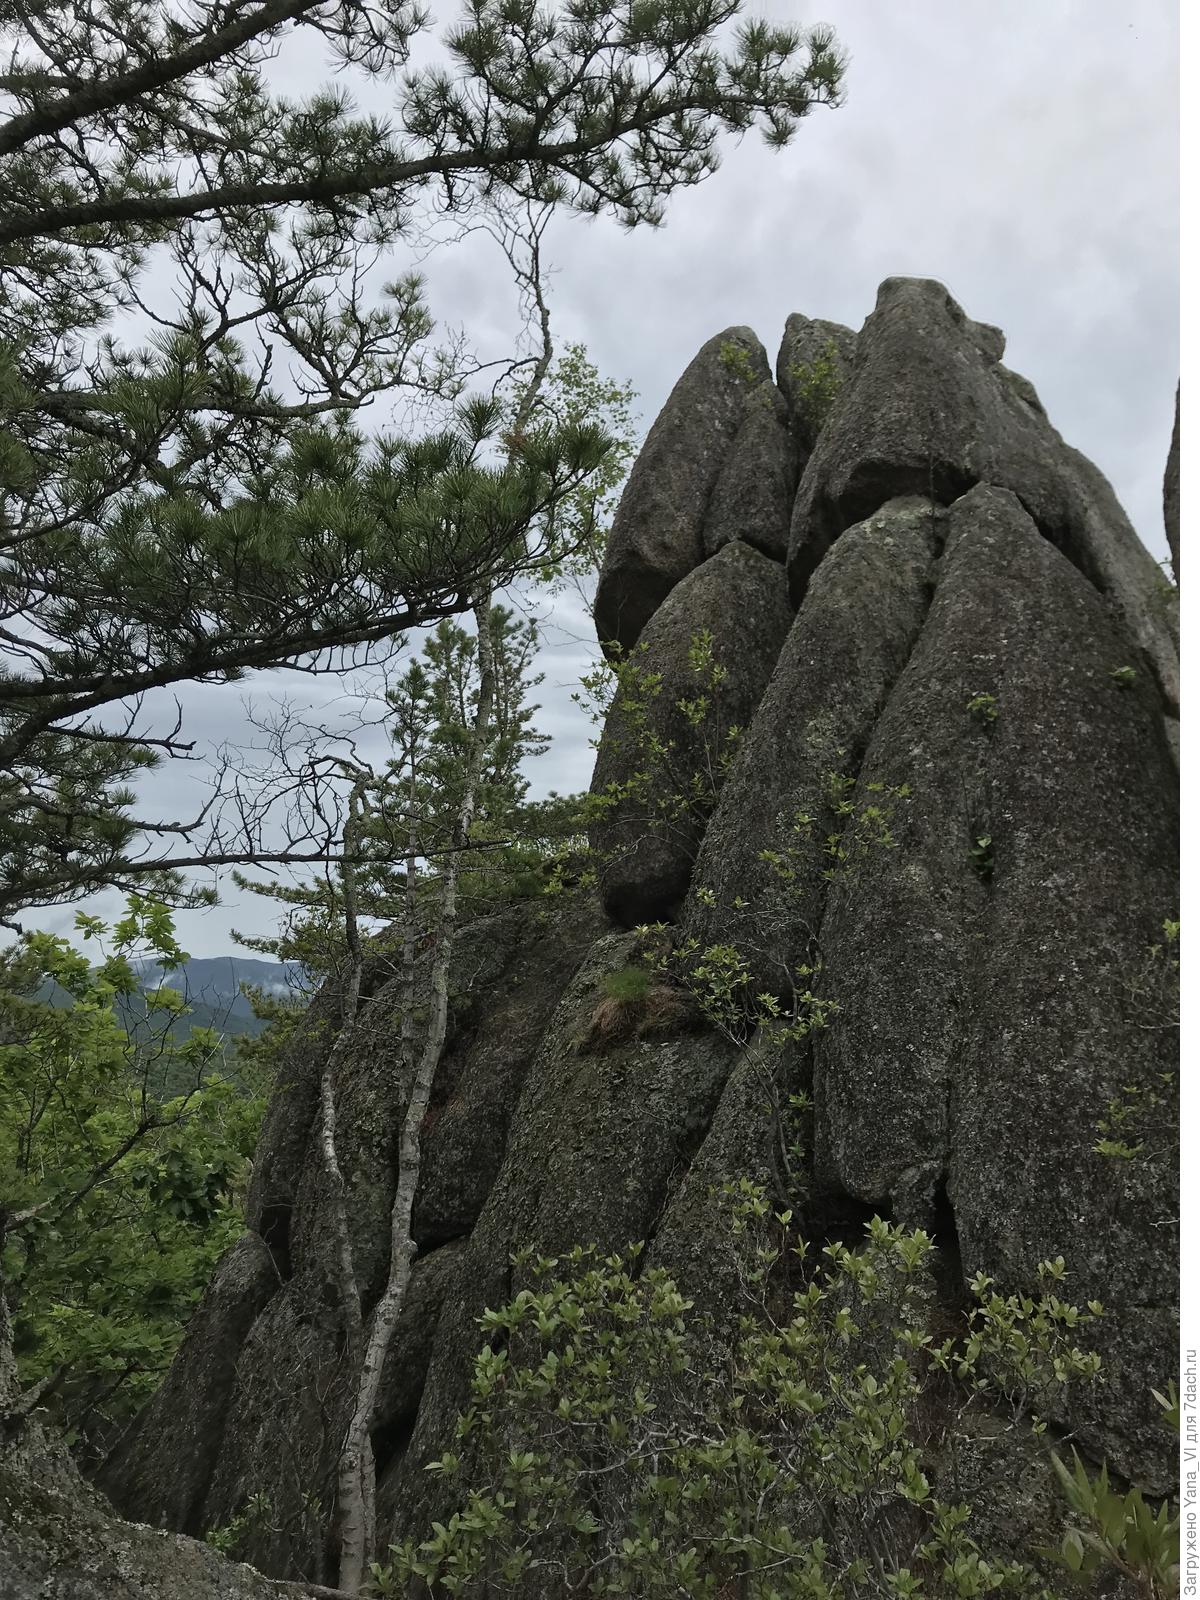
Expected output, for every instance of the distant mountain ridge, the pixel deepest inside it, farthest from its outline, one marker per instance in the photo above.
(212, 986)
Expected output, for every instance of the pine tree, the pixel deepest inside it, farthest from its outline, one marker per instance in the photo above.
(188, 339)
(412, 803)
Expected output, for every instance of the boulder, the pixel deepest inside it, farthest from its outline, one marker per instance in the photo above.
(984, 963)
(760, 875)
(695, 1241)
(281, 1432)
(656, 533)
(284, 1142)
(289, 1409)
(1171, 493)
(481, 1072)
(929, 410)
(952, 797)
(814, 361)
(753, 497)
(513, 963)
(658, 768)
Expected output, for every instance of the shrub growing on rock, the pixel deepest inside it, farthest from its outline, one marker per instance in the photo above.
(614, 1444)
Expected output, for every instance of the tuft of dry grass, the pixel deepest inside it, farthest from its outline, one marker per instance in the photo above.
(616, 1020)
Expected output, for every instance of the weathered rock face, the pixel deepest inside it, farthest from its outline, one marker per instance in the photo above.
(814, 361)
(259, 1392)
(605, 1128)
(60, 1541)
(694, 1241)
(753, 497)
(953, 801)
(177, 1424)
(760, 876)
(656, 533)
(928, 410)
(984, 958)
(645, 843)
(1171, 493)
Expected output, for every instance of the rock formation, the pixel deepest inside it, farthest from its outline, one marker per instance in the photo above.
(1171, 493)
(645, 847)
(951, 809)
(59, 1540)
(657, 532)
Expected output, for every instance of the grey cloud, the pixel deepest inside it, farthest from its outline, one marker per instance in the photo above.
(1026, 155)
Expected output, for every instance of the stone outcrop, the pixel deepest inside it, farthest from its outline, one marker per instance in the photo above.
(176, 1427)
(814, 362)
(928, 410)
(605, 1129)
(1171, 493)
(753, 497)
(951, 812)
(760, 876)
(59, 1540)
(647, 839)
(258, 1392)
(656, 533)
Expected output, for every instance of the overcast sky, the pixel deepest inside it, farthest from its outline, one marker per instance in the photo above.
(1025, 154)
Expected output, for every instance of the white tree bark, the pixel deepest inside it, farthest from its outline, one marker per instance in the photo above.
(357, 1468)
(349, 1471)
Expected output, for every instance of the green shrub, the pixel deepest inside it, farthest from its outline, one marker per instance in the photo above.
(123, 1158)
(615, 1443)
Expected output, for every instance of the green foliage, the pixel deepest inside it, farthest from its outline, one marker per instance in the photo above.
(862, 821)
(616, 1443)
(735, 358)
(1117, 1531)
(1151, 993)
(117, 1194)
(258, 1513)
(672, 780)
(1134, 1117)
(257, 1057)
(717, 979)
(1124, 677)
(518, 848)
(627, 984)
(983, 857)
(192, 322)
(576, 394)
(984, 708)
(1141, 1120)
(816, 385)
(850, 827)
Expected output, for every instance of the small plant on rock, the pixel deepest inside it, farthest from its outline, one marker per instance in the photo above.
(635, 1003)
(983, 707)
(736, 359)
(1119, 1531)
(815, 386)
(983, 857)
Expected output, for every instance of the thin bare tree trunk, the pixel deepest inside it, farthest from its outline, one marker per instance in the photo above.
(349, 1471)
(358, 1465)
